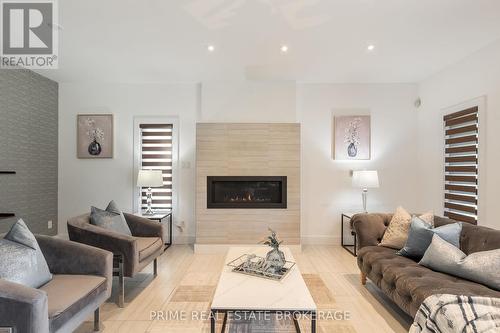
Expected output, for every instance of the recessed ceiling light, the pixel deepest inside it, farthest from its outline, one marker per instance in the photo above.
(370, 47)
(211, 48)
(284, 48)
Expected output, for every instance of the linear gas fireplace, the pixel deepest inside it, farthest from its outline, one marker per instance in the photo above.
(246, 192)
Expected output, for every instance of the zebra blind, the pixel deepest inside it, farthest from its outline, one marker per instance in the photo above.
(461, 165)
(156, 154)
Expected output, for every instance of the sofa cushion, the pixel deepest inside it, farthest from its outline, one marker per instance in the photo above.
(409, 284)
(147, 246)
(21, 259)
(68, 294)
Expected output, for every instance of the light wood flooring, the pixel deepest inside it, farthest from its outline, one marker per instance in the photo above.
(186, 282)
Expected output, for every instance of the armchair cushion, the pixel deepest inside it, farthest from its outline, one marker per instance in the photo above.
(147, 246)
(110, 220)
(69, 294)
(21, 257)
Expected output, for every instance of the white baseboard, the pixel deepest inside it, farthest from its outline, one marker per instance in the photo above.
(320, 240)
(184, 239)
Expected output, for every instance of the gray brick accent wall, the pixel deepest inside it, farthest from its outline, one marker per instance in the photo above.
(29, 146)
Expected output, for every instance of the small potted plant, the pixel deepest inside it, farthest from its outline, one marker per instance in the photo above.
(275, 259)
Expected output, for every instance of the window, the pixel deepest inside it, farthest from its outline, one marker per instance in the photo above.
(461, 165)
(157, 152)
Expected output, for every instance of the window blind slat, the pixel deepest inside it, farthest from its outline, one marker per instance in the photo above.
(462, 149)
(459, 197)
(461, 120)
(460, 217)
(463, 129)
(461, 169)
(461, 139)
(461, 113)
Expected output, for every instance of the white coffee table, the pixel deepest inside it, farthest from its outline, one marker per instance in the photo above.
(243, 293)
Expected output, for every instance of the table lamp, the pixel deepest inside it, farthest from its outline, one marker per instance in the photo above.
(365, 179)
(149, 179)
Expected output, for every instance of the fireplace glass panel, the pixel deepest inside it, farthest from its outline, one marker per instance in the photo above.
(246, 192)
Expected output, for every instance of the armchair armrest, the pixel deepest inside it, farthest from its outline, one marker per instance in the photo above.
(67, 257)
(23, 308)
(370, 228)
(143, 227)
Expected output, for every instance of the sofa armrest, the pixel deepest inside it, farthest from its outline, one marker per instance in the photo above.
(23, 308)
(143, 227)
(369, 228)
(67, 257)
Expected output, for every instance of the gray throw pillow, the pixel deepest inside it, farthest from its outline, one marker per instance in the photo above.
(420, 237)
(482, 267)
(22, 260)
(111, 218)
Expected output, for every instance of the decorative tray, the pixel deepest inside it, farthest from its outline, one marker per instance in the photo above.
(251, 264)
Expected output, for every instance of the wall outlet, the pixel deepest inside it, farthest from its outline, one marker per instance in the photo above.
(49, 224)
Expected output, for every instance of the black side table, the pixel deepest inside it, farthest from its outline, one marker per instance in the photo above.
(351, 248)
(163, 217)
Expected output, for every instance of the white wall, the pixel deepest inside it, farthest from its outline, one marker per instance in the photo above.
(83, 183)
(477, 75)
(326, 183)
(248, 101)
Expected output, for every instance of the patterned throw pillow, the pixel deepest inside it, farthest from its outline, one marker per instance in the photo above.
(22, 260)
(396, 234)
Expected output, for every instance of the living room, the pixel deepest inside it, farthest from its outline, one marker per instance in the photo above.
(356, 141)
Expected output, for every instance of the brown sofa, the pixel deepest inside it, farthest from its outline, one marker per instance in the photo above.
(403, 280)
(81, 282)
(131, 253)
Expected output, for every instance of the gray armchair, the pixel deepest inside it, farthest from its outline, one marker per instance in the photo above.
(82, 277)
(131, 253)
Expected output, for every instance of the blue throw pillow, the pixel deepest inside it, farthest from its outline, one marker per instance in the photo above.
(420, 237)
(21, 259)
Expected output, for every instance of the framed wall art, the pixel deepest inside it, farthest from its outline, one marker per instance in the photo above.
(95, 136)
(352, 137)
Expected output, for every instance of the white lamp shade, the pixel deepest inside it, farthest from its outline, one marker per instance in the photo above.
(150, 178)
(365, 179)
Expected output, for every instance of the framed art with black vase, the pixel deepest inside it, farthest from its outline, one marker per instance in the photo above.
(95, 136)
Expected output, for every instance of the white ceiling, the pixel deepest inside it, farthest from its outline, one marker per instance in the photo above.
(166, 40)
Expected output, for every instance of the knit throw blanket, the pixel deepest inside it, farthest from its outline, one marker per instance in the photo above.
(457, 314)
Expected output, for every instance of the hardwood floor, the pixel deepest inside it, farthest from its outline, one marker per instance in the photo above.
(186, 282)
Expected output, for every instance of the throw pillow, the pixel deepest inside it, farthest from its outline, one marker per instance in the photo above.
(22, 259)
(396, 234)
(111, 218)
(420, 237)
(481, 267)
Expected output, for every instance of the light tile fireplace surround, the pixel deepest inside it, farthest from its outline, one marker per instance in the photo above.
(247, 179)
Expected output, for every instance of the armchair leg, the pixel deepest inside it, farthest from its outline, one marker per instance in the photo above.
(121, 285)
(155, 267)
(97, 326)
(363, 278)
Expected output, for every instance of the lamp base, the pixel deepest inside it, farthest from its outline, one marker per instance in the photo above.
(364, 194)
